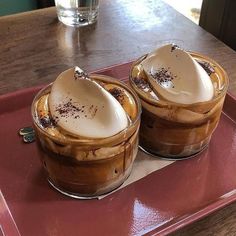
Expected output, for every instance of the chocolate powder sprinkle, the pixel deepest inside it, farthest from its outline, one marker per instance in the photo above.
(207, 67)
(46, 122)
(118, 94)
(141, 83)
(163, 76)
(69, 109)
(94, 112)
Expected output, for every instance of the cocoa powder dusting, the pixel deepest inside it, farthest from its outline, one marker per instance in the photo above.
(163, 76)
(92, 111)
(141, 83)
(207, 67)
(118, 94)
(47, 122)
(69, 109)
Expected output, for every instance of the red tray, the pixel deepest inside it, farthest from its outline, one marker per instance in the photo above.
(7, 224)
(160, 203)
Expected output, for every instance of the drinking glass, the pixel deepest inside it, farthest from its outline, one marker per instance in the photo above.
(77, 12)
(177, 131)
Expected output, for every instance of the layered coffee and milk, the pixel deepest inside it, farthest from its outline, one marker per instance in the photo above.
(87, 129)
(182, 96)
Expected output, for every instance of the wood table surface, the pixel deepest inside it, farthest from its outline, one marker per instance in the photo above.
(35, 48)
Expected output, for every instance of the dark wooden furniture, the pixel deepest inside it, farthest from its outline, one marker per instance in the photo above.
(45, 3)
(218, 17)
(35, 48)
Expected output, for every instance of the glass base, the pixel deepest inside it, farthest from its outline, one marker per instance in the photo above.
(76, 22)
(73, 195)
(171, 158)
(77, 19)
(87, 197)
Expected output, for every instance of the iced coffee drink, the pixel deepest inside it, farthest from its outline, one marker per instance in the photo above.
(182, 95)
(87, 132)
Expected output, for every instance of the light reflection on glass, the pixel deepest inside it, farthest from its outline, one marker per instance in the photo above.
(67, 3)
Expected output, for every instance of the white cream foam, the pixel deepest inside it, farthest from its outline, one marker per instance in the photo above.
(188, 82)
(82, 107)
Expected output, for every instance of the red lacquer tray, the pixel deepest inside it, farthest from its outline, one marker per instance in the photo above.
(160, 203)
(7, 223)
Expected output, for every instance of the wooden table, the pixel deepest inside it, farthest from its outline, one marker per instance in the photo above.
(35, 48)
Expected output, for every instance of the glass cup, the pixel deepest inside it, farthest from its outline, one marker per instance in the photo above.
(176, 131)
(77, 12)
(81, 167)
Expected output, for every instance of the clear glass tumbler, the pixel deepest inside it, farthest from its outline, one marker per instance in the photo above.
(173, 130)
(77, 12)
(83, 167)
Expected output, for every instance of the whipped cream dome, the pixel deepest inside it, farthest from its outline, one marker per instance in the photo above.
(82, 107)
(175, 76)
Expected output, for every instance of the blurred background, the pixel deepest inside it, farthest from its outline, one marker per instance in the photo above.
(215, 16)
(189, 8)
(8, 7)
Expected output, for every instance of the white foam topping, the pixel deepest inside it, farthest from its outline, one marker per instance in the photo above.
(82, 107)
(176, 76)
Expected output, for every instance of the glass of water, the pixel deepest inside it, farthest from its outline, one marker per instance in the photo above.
(77, 12)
